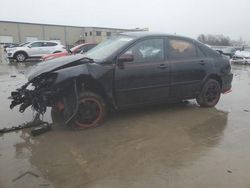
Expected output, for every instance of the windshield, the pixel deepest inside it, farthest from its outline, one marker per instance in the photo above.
(108, 47)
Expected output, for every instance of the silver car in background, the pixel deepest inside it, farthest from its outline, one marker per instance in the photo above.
(34, 49)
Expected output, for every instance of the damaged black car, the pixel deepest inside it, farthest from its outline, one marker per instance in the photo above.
(127, 70)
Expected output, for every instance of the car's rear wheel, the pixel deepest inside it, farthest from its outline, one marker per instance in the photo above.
(210, 94)
(20, 57)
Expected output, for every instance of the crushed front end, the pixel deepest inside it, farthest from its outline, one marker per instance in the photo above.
(38, 93)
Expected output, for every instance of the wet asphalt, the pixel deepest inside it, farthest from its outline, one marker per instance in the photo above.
(174, 145)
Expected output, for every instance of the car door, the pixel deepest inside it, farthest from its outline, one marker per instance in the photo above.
(188, 66)
(35, 49)
(146, 79)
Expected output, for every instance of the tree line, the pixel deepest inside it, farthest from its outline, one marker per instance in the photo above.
(220, 40)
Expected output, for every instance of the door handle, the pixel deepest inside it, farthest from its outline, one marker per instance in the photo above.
(202, 62)
(163, 66)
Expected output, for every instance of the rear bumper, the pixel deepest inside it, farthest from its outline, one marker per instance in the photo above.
(227, 82)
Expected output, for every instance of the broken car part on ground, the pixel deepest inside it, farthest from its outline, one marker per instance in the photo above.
(131, 69)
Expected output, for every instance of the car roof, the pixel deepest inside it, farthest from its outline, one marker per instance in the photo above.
(58, 42)
(141, 34)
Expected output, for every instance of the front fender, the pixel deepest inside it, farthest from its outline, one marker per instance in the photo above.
(71, 72)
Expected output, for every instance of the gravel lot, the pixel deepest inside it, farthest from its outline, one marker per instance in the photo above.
(177, 145)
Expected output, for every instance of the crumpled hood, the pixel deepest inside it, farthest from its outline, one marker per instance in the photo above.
(51, 65)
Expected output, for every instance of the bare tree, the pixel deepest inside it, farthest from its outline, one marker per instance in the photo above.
(215, 40)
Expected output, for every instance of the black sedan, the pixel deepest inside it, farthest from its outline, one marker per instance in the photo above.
(128, 70)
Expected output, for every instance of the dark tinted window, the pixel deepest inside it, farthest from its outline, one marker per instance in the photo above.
(208, 51)
(147, 50)
(98, 33)
(36, 44)
(181, 49)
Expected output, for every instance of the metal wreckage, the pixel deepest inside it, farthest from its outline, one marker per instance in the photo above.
(57, 84)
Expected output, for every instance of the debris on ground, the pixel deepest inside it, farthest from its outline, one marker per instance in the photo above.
(43, 128)
(40, 126)
(12, 76)
(246, 110)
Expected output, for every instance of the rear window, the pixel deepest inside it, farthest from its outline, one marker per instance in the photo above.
(208, 51)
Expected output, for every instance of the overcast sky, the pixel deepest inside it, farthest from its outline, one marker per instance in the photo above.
(183, 17)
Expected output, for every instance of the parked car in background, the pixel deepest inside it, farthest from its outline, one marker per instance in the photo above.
(241, 57)
(230, 51)
(34, 49)
(127, 70)
(81, 48)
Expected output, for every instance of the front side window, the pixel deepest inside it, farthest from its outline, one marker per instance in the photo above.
(147, 51)
(181, 49)
(36, 44)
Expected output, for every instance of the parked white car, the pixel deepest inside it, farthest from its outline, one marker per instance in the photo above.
(34, 49)
(241, 57)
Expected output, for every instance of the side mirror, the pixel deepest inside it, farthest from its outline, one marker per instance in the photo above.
(125, 58)
(219, 51)
(29, 46)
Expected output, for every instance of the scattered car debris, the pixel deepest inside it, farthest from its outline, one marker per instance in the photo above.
(36, 122)
(12, 76)
(24, 174)
(42, 128)
(246, 110)
(229, 171)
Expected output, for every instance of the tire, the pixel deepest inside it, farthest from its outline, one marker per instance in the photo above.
(91, 113)
(20, 57)
(57, 116)
(210, 94)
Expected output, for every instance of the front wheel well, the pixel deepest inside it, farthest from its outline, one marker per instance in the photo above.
(23, 52)
(90, 84)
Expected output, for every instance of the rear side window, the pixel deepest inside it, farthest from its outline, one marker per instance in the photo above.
(49, 44)
(181, 49)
